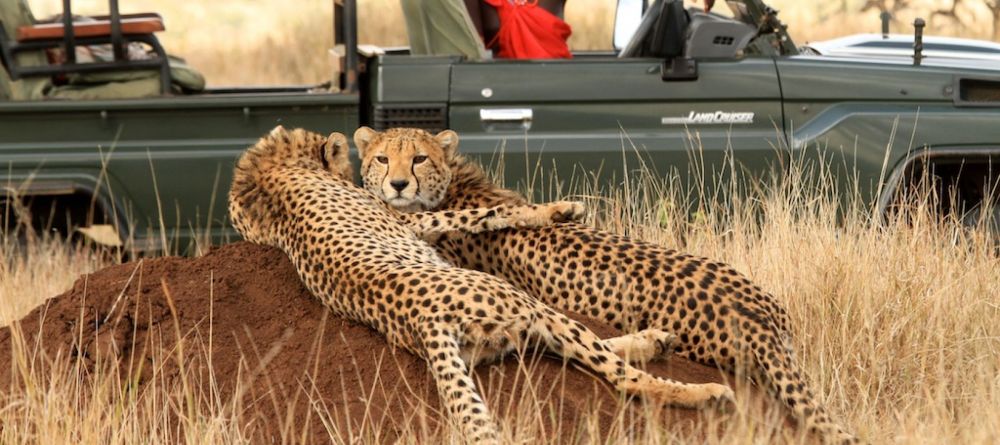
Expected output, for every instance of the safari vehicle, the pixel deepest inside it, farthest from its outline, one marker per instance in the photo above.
(734, 86)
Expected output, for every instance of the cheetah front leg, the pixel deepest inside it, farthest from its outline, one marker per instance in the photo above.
(643, 346)
(431, 225)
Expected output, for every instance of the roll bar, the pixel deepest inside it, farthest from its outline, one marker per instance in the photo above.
(107, 30)
(345, 31)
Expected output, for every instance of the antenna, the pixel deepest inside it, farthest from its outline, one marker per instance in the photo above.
(918, 41)
(886, 17)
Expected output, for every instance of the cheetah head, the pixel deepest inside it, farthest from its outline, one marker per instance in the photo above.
(251, 210)
(300, 148)
(406, 167)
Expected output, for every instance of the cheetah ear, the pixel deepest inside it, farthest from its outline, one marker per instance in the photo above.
(335, 149)
(448, 140)
(278, 131)
(363, 137)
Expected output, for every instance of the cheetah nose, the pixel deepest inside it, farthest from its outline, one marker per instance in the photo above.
(399, 185)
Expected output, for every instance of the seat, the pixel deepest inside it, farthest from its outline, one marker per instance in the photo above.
(660, 33)
(97, 28)
(115, 29)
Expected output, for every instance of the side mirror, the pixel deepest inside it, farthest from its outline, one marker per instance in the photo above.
(628, 15)
(661, 32)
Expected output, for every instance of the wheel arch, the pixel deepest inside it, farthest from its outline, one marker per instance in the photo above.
(77, 194)
(919, 160)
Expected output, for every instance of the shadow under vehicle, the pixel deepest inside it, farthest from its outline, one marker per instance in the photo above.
(682, 85)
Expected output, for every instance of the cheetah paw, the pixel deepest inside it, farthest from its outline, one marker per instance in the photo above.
(653, 344)
(719, 397)
(643, 346)
(663, 340)
(563, 211)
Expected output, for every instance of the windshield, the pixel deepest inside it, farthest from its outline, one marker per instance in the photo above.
(769, 36)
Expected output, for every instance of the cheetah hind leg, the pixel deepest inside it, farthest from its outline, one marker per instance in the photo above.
(456, 387)
(573, 340)
(643, 346)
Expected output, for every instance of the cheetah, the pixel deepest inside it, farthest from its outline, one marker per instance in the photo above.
(719, 316)
(369, 263)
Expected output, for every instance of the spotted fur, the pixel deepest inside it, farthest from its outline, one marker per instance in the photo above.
(291, 190)
(719, 316)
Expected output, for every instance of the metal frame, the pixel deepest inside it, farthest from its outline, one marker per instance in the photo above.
(345, 30)
(69, 42)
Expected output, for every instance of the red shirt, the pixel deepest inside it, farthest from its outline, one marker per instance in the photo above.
(528, 31)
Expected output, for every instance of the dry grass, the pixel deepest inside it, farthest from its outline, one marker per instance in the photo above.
(898, 324)
(266, 42)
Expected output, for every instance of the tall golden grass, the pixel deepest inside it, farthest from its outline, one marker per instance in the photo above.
(896, 322)
(269, 42)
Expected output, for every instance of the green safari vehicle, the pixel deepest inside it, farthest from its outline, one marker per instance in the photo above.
(157, 168)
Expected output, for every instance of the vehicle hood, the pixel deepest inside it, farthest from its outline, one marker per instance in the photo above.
(896, 48)
(958, 65)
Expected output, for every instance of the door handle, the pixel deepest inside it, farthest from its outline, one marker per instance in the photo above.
(506, 119)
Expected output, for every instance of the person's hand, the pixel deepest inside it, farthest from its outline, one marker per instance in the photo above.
(709, 4)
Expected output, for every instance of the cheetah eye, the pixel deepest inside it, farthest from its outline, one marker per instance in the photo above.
(382, 159)
(419, 159)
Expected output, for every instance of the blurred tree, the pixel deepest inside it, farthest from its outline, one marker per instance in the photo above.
(892, 7)
(951, 13)
(960, 9)
(994, 7)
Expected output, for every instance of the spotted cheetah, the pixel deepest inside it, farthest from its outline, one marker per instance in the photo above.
(719, 316)
(363, 260)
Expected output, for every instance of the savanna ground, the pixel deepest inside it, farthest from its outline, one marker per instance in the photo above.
(897, 323)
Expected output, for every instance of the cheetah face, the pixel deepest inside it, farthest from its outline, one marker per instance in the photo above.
(406, 167)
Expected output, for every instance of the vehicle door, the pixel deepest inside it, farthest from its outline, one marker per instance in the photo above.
(607, 116)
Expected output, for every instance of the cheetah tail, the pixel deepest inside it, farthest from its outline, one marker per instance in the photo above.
(784, 380)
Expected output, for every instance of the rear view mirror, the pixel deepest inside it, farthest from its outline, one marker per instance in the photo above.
(628, 15)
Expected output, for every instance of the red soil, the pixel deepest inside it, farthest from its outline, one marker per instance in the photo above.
(278, 343)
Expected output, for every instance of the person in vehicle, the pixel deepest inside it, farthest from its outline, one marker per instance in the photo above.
(512, 29)
(449, 27)
(525, 29)
(441, 28)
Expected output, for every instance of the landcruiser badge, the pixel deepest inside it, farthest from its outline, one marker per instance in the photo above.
(710, 118)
